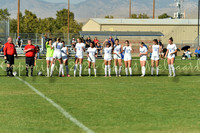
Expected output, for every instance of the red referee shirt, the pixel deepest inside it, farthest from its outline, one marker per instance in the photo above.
(9, 49)
(32, 52)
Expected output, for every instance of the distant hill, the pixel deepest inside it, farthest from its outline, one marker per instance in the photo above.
(99, 8)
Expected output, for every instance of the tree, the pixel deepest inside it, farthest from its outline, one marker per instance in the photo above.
(4, 14)
(140, 16)
(30, 22)
(164, 15)
(109, 16)
(134, 16)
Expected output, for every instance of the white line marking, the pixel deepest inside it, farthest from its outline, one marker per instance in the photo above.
(58, 107)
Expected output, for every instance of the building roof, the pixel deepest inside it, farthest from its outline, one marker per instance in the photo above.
(119, 33)
(146, 21)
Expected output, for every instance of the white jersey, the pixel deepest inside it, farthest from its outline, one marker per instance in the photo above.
(79, 48)
(172, 48)
(117, 49)
(92, 52)
(57, 47)
(127, 51)
(155, 50)
(108, 52)
(143, 50)
(64, 51)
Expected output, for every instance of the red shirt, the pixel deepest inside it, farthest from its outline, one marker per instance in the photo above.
(96, 41)
(9, 49)
(30, 53)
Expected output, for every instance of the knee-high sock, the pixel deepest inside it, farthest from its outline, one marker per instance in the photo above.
(109, 70)
(95, 71)
(173, 69)
(106, 69)
(60, 69)
(75, 68)
(157, 70)
(80, 72)
(11, 70)
(47, 71)
(26, 71)
(152, 69)
(32, 71)
(116, 71)
(89, 71)
(143, 70)
(7, 71)
(63, 73)
(130, 71)
(67, 69)
(126, 70)
(52, 69)
(170, 70)
(120, 69)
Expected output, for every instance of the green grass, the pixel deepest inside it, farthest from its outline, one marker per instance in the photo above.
(105, 105)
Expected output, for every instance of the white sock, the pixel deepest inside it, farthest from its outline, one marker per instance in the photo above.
(106, 69)
(173, 70)
(130, 71)
(109, 70)
(95, 71)
(152, 69)
(52, 69)
(143, 70)
(47, 72)
(89, 71)
(67, 69)
(120, 69)
(61, 69)
(75, 68)
(116, 71)
(157, 70)
(170, 70)
(80, 72)
(126, 70)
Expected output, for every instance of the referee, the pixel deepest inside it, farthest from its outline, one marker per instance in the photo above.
(9, 52)
(31, 55)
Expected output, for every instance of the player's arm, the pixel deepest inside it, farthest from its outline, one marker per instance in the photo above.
(131, 48)
(5, 52)
(150, 49)
(67, 51)
(15, 53)
(166, 53)
(35, 50)
(104, 43)
(122, 49)
(83, 48)
(27, 50)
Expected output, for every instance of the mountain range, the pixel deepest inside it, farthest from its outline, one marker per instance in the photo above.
(99, 8)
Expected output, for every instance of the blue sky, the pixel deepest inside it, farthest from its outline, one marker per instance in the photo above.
(61, 1)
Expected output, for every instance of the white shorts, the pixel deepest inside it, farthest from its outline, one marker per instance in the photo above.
(64, 58)
(127, 58)
(171, 56)
(155, 58)
(49, 58)
(143, 58)
(92, 59)
(79, 56)
(118, 56)
(107, 58)
(57, 55)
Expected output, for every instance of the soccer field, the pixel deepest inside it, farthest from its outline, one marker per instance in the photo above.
(102, 105)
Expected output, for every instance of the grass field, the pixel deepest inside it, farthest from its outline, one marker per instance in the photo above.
(104, 105)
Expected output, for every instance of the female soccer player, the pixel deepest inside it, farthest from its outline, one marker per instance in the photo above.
(155, 50)
(49, 56)
(79, 49)
(57, 46)
(65, 55)
(117, 57)
(107, 56)
(143, 58)
(92, 54)
(127, 57)
(170, 54)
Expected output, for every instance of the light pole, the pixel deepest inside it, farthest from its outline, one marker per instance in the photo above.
(198, 20)
(153, 9)
(129, 8)
(18, 20)
(68, 21)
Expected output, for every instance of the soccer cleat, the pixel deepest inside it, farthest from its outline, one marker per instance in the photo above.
(109, 75)
(151, 75)
(63, 75)
(119, 75)
(95, 76)
(105, 75)
(142, 75)
(157, 75)
(68, 75)
(174, 75)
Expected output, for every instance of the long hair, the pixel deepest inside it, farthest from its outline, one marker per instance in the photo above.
(155, 40)
(171, 39)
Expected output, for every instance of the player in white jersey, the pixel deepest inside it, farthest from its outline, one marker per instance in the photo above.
(143, 57)
(65, 57)
(127, 49)
(107, 56)
(92, 54)
(155, 50)
(117, 57)
(79, 49)
(170, 54)
(57, 46)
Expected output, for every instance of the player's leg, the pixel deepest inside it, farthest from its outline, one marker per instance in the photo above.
(61, 72)
(106, 67)
(129, 65)
(27, 65)
(89, 68)
(126, 67)
(67, 68)
(157, 67)
(80, 62)
(95, 70)
(48, 67)
(116, 71)
(75, 66)
(169, 67)
(152, 67)
(172, 65)
(109, 68)
(120, 66)
(52, 66)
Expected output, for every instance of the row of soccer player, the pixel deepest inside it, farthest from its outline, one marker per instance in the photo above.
(58, 51)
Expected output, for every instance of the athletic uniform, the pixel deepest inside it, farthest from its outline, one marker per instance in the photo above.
(64, 53)
(57, 50)
(127, 54)
(92, 52)
(172, 48)
(30, 55)
(79, 50)
(142, 51)
(49, 54)
(108, 53)
(117, 52)
(155, 52)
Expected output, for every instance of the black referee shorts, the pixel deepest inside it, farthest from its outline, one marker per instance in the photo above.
(30, 61)
(10, 59)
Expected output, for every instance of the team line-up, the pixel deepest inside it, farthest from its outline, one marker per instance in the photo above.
(57, 51)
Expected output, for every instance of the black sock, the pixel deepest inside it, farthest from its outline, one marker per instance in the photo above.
(26, 71)
(31, 71)
(7, 71)
(11, 71)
